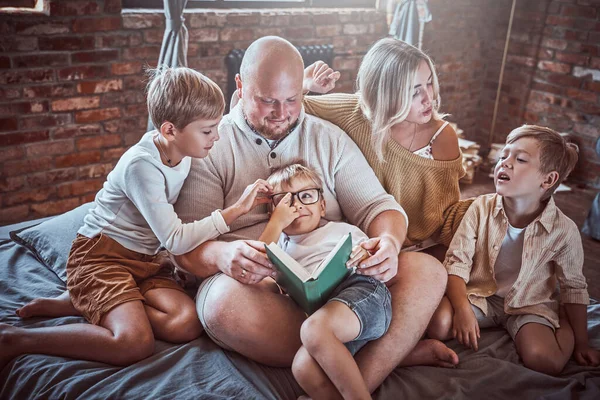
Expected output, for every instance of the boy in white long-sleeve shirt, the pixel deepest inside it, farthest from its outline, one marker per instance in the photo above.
(114, 275)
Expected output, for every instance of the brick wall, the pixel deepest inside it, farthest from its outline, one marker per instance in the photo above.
(71, 86)
(71, 82)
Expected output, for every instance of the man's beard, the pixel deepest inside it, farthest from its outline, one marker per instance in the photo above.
(273, 133)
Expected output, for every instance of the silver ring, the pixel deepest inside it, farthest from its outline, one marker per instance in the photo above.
(243, 273)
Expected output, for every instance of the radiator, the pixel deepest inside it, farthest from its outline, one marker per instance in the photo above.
(310, 54)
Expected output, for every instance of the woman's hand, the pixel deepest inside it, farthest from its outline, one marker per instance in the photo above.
(319, 78)
(465, 327)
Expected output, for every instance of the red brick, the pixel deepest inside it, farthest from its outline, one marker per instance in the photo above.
(274, 19)
(43, 121)
(8, 124)
(11, 215)
(28, 196)
(4, 62)
(143, 21)
(591, 85)
(96, 56)
(98, 142)
(118, 39)
(41, 60)
(589, 108)
(112, 6)
(153, 36)
(96, 170)
(114, 153)
(23, 167)
(18, 44)
(66, 43)
(56, 90)
(53, 207)
(325, 19)
(569, 22)
(127, 68)
(201, 35)
(76, 130)
(76, 159)
(18, 77)
(327, 30)
(349, 16)
(83, 72)
(97, 115)
(129, 97)
(50, 148)
(37, 28)
(587, 130)
(9, 139)
(135, 110)
(582, 95)
(200, 20)
(231, 34)
(554, 67)
(10, 184)
(302, 19)
(11, 153)
(576, 59)
(104, 23)
(76, 103)
(88, 198)
(300, 32)
(595, 63)
(141, 53)
(564, 80)
(355, 29)
(243, 19)
(578, 11)
(79, 188)
(127, 125)
(23, 107)
(51, 177)
(73, 7)
(100, 86)
(10, 93)
(136, 82)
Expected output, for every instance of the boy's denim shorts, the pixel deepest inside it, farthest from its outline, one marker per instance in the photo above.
(370, 300)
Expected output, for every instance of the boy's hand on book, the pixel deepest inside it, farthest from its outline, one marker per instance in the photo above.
(465, 328)
(383, 263)
(284, 214)
(358, 254)
(246, 261)
(586, 355)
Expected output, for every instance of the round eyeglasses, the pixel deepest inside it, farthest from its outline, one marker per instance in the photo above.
(306, 196)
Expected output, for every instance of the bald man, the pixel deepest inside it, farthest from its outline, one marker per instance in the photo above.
(239, 305)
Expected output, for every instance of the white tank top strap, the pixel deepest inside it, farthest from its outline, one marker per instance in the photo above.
(438, 131)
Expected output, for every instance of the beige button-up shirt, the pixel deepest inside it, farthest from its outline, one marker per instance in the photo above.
(552, 251)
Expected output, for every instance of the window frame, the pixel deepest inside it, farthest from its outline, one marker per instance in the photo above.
(226, 4)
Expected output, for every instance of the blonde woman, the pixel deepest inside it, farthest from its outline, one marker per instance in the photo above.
(394, 118)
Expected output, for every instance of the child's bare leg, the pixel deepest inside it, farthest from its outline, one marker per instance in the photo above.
(323, 335)
(544, 350)
(440, 326)
(123, 337)
(60, 306)
(172, 315)
(308, 373)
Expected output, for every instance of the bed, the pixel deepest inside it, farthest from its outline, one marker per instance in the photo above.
(32, 259)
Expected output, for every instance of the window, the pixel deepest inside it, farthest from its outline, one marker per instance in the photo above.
(253, 3)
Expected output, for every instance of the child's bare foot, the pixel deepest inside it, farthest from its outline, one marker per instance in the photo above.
(60, 306)
(9, 336)
(431, 352)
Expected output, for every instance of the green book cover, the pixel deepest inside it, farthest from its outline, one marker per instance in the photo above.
(310, 291)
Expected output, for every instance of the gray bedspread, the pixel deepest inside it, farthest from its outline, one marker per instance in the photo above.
(201, 370)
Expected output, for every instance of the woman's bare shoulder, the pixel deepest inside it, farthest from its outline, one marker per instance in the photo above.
(445, 146)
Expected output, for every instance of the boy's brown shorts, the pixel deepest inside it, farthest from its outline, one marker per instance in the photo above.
(101, 274)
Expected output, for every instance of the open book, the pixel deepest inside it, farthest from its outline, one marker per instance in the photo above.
(311, 291)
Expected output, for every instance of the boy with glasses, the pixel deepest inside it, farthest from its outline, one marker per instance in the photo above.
(359, 309)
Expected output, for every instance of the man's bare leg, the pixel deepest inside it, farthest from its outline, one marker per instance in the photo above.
(254, 320)
(416, 292)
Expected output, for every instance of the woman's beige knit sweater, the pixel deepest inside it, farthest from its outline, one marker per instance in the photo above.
(427, 189)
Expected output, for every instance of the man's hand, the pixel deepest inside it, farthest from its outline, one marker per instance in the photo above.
(465, 328)
(245, 261)
(586, 355)
(319, 78)
(383, 264)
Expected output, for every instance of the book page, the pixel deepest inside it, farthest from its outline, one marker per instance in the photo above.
(289, 262)
(331, 254)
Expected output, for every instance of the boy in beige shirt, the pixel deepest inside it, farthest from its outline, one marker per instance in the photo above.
(508, 254)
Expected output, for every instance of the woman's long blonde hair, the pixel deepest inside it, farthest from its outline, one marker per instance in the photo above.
(385, 86)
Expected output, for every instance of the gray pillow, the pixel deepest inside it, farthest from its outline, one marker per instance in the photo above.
(51, 240)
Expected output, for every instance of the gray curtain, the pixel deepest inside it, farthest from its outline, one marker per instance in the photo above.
(173, 52)
(409, 21)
